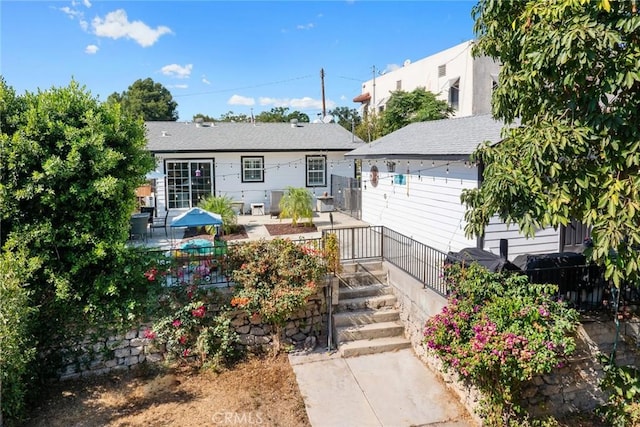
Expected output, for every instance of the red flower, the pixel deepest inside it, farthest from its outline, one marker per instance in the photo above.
(177, 323)
(182, 339)
(199, 312)
(149, 334)
(186, 352)
(151, 274)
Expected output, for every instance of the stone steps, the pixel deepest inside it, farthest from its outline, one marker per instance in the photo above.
(365, 317)
(366, 320)
(369, 332)
(373, 346)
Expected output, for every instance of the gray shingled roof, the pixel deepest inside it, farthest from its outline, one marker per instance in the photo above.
(261, 137)
(446, 139)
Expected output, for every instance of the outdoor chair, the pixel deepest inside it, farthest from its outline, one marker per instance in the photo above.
(148, 210)
(160, 223)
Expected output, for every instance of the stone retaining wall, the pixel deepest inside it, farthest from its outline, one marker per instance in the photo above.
(571, 388)
(124, 352)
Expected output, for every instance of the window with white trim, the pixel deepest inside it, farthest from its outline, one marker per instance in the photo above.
(253, 169)
(316, 171)
(188, 182)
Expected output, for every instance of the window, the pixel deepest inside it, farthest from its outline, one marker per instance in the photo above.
(252, 169)
(316, 171)
(454, 94)
(188, 182)
(399, 85)
(442, 70)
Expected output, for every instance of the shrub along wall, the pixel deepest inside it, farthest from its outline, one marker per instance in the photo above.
(127, 351)
(571, 388)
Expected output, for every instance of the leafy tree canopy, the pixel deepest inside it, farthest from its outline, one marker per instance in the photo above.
(419, 105)
(68, 173)
(348, 118)
(229, 116)
(570, 73)
(281, 115)
(148, 99)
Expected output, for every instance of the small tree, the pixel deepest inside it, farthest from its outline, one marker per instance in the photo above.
(148, 100)
(297, 203)
(221, 205)
(419, 105)
(275, 278)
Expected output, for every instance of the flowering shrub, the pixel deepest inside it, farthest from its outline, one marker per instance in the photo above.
(497, 332)
(274, 279)
(189, 330)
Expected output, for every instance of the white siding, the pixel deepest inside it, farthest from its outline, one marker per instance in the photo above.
(427, 208)
(546, 240)
(282, 170)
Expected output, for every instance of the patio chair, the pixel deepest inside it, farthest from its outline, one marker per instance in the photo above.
(148, 210)
(160, 223)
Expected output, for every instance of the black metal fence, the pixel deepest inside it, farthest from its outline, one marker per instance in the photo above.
(204, 265)
(420, 261)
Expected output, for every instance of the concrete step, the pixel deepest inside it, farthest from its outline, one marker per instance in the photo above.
(379, 345)
(363, 278)
(350, 292)
(369, 332)
(375, 302)
(364, 317)
(351, 267)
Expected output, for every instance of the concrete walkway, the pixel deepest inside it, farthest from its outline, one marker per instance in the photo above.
(393, 389)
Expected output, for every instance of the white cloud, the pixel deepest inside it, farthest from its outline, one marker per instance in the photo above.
(86, 3)
(91, 49)
(84, 25)
(180, 86)
(241, 100)
(71, 13)
(177, 71)
(308, 26)
(116, 25)
(205, 81)
(392, 67)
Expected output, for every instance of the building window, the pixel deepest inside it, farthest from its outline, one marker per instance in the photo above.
(188, 182)
(399, 85)
(252, 169)
(454, 94)
(316, 171)
(442, 70)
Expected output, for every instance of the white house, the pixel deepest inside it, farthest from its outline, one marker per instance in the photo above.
(412, 180)
(453, 75)
(245, 161)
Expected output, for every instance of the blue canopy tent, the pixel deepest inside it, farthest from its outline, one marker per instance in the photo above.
(196, 217)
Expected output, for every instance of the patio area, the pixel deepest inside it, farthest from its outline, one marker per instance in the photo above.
(255, 228)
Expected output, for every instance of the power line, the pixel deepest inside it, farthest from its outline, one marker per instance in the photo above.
(245, 87)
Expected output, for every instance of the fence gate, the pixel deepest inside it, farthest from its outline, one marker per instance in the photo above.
(347, 195)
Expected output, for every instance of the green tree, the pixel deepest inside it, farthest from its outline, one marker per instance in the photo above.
(348, 118)
(297, 203)
(570, 73)
(69, 169)
(222, 206)
(281, 115)
(147, 99)
(418, 105)
(230, 116)
(370, 128)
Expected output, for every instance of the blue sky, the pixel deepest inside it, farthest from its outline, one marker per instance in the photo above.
(219, 56)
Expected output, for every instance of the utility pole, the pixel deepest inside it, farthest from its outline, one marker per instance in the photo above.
(324, 107)
(373, 100)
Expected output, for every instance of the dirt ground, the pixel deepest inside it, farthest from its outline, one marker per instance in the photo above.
(261, 391)
(282, 229)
